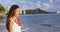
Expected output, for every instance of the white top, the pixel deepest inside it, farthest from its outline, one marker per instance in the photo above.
(16, 27)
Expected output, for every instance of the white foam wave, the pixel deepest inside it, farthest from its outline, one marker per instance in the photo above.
(25, 29)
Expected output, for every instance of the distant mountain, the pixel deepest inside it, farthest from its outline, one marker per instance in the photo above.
(36, 11)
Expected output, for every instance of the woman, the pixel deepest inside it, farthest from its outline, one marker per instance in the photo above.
(13, 24)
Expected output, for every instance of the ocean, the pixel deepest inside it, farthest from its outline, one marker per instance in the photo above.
(36, 23)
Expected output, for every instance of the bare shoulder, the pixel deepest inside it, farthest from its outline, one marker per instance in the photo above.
(11, 20)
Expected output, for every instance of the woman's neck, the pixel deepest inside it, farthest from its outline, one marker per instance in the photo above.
(15, 18)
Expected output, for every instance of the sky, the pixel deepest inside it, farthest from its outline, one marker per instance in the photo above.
(46, 5)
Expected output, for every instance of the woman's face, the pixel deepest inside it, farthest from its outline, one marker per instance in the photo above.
(17, 12)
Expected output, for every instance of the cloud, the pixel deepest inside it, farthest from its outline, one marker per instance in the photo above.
(3, 2)
(38, 4)
(51, 1)
(22, 2)
(57, 0)
(58, 7)
(46, 6)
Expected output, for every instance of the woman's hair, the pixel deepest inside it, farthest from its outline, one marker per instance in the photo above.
(10, 14)
(12, 11)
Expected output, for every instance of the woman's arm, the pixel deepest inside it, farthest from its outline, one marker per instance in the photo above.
(10, 26)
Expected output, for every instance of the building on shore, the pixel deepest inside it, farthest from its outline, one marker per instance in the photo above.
(22, 12)
(58, 11)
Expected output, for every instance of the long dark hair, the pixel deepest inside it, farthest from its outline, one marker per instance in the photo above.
(10, 14)
(12, 11)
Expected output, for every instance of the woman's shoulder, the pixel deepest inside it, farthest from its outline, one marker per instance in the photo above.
(11, 19)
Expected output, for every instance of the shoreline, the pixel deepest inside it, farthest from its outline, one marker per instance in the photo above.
(4, 15)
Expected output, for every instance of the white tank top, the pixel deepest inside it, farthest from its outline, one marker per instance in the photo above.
(16, 27)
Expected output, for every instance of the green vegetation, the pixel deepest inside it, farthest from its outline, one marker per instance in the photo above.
(2, 11)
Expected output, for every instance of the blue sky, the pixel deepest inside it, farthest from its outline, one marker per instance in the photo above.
(47, 5)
